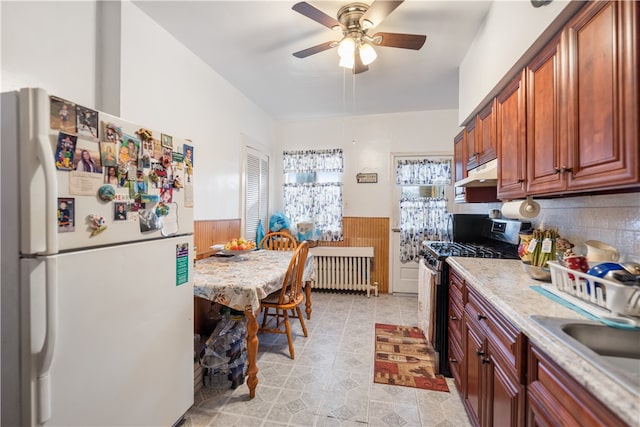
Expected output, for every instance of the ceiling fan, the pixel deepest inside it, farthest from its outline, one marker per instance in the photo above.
(354, 20)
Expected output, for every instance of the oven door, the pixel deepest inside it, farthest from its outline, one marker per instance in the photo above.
(427, 282)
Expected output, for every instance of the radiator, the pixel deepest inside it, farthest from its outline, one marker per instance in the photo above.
(343, 268)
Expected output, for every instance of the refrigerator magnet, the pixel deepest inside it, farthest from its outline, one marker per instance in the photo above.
(188, 155)
(167, 141)
(107, 193)
(65, 151)
(97, 224)
(66, 214)
(111, 132)
(120, 212)
(62, 115)
(108, 154)
(149, 221)
(87, 122)
(129, 150)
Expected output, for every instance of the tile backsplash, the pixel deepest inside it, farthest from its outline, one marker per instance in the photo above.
(612, 219)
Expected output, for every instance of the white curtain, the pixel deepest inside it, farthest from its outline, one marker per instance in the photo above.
(307, 199)
(423, 172)
(421, 218)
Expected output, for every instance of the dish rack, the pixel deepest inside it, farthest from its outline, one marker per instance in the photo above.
(600, 297)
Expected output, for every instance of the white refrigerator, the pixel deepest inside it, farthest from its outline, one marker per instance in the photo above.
(97, 304)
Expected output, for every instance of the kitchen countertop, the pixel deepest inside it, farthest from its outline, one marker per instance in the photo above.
(505, 284)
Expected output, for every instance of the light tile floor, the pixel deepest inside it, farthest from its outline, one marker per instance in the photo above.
(330, 382)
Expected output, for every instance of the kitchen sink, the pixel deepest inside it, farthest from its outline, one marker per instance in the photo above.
(615, 351)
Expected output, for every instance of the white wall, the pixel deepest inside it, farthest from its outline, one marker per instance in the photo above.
(49, 45)
(165, 86)
(368, 142)
(510, 28)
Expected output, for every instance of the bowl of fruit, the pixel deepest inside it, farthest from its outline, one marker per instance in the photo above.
(238, 246)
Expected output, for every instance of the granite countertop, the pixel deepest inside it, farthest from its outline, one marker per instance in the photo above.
(506, 285)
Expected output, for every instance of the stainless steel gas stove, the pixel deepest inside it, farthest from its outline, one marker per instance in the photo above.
(475, 236)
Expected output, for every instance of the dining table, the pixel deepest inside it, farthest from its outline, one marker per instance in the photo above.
(241, 281)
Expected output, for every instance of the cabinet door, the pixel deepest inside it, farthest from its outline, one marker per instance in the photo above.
(486, 142)
(545, 151)
(600, 76)
(511, 134)
(470, 144)
(460, 164)
(505, 396)
(473, 372)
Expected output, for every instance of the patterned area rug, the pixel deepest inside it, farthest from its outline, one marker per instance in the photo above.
(404, 357)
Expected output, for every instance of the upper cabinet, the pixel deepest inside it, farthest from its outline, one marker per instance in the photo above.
(545, 149)
(486, 129)
(569, 122)
(511, 140)
(480, 137)
(459, 166)
(599, 104)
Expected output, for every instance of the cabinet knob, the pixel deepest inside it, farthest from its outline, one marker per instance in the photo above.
(481, 316)
(479, 352)
(557, 170)
(453, 318)
(452, 360)
(565, 169)
(486, 360)
(520, 181)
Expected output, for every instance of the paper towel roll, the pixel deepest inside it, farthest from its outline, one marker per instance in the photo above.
(520, 209)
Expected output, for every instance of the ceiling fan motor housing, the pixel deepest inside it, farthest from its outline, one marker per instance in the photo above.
(349, 16)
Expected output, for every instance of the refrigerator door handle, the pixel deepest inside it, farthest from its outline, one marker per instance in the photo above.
(45, 157)
(45, 356)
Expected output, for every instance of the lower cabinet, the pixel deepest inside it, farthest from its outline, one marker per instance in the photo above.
(554, 398)
(494, 393)
(506, 381)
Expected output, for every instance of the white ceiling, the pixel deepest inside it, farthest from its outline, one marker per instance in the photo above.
(250, 44)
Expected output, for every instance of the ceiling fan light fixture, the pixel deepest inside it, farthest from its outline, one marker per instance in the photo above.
(347, 61)
(346, 47)
(367, 53)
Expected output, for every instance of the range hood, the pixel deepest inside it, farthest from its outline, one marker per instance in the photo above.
(485, 175)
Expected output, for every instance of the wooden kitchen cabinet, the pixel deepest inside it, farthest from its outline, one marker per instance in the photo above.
(491, 364)
(459, 164)
(486, 130)
(576, 128)
(511, 139)
(545, 149)
(455, 327)
(480, 137)
(468, 194)
(600, 89)
(556, 399)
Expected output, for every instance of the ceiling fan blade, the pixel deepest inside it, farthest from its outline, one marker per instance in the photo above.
(404, 41)
(358, 66)
(317, 15)
(378, 10)
(315, 49)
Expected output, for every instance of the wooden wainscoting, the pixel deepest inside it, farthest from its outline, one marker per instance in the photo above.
(369, 231)
(207, 233)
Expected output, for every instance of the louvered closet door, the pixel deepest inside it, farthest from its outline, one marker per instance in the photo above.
(256, 192)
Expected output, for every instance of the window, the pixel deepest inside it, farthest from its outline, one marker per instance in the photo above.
(313, 191)
(256, 199)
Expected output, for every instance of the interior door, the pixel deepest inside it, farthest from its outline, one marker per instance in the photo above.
(404, 275)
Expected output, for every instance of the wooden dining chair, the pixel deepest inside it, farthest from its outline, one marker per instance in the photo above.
(278, 241)
(286, 301)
